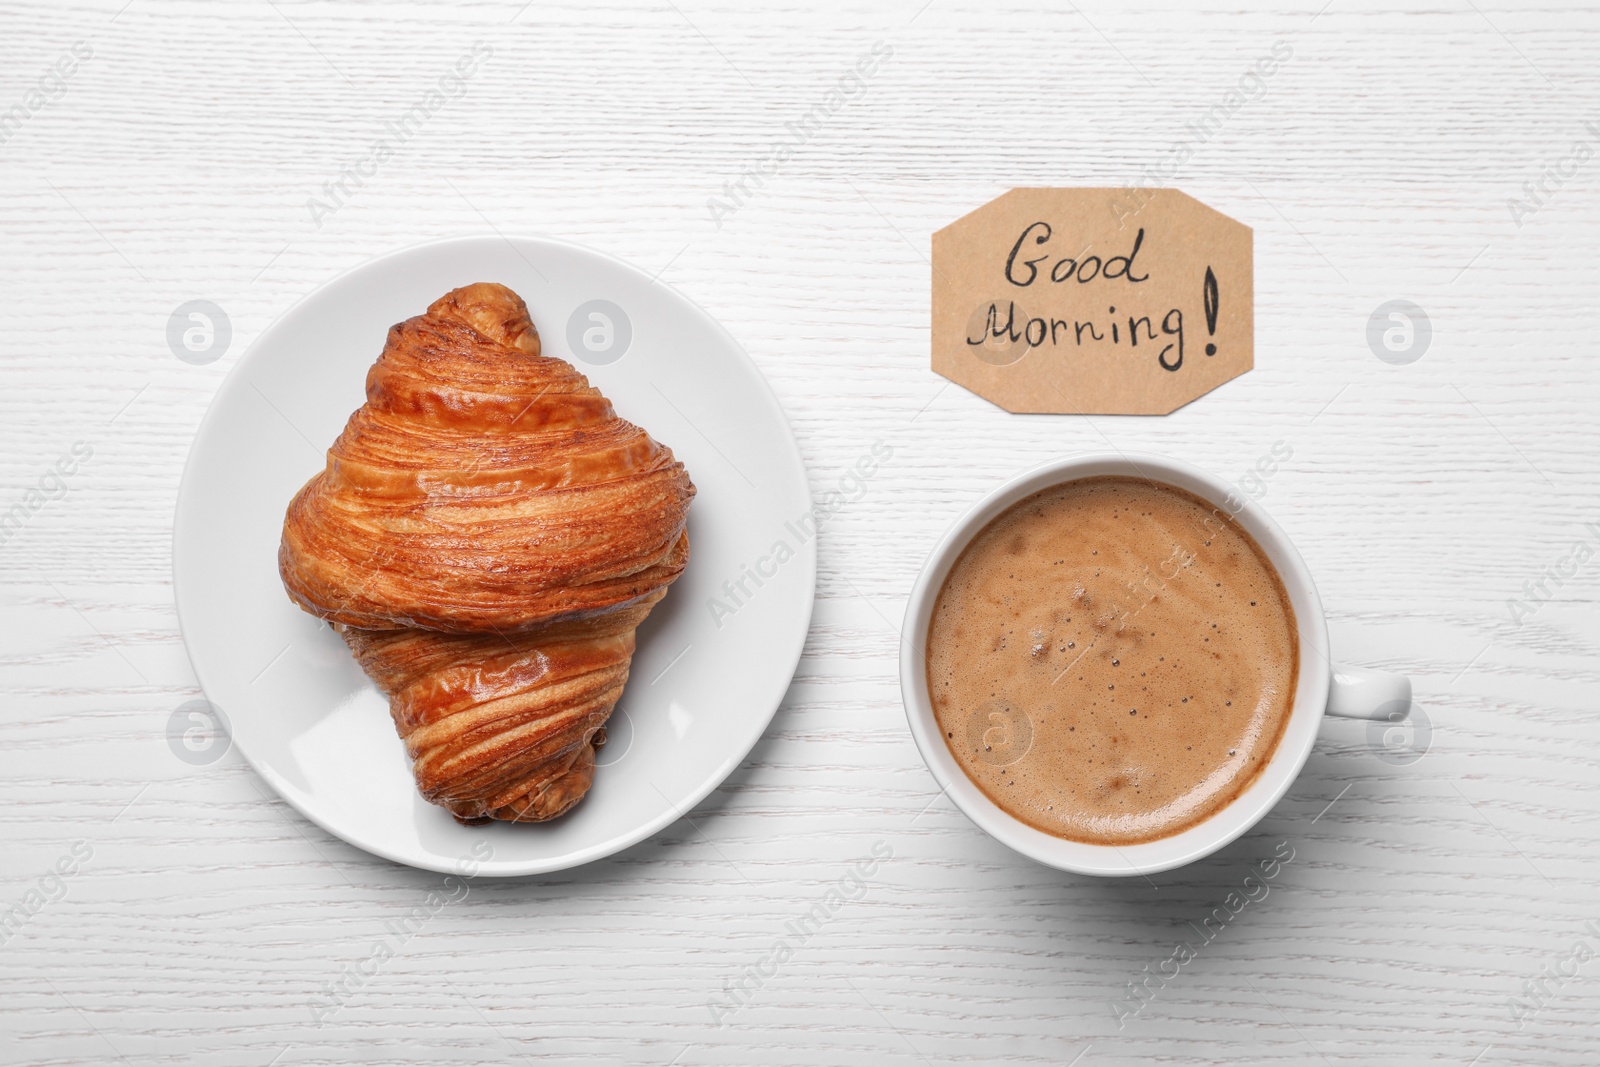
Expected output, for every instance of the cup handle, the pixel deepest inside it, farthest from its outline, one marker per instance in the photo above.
(1361, 693)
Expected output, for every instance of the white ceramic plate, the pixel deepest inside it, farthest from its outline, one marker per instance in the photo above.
(706, 680)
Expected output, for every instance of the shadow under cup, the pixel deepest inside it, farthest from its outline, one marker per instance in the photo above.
(1313, 677)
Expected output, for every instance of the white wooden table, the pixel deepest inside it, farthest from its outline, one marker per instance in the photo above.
(203, 920)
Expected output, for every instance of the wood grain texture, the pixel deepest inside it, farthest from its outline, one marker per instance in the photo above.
(1377, 164)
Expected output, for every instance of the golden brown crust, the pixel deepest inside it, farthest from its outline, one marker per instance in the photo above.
(482, 487)
(486, 536)
(501, 727)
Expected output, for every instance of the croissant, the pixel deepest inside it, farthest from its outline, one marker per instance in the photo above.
(486, 537)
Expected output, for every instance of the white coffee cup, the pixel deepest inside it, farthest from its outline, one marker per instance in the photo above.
(1323, 687)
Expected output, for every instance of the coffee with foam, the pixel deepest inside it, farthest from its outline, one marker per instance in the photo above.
(1112, 660)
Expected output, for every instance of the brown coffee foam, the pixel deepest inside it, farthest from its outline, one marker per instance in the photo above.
(1094, 655)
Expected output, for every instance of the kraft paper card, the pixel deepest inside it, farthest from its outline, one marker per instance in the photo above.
(1093, 301)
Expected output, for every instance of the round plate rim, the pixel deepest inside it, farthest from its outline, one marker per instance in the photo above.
(507, 869)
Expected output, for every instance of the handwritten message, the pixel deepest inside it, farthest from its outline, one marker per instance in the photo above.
(1056, 300)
